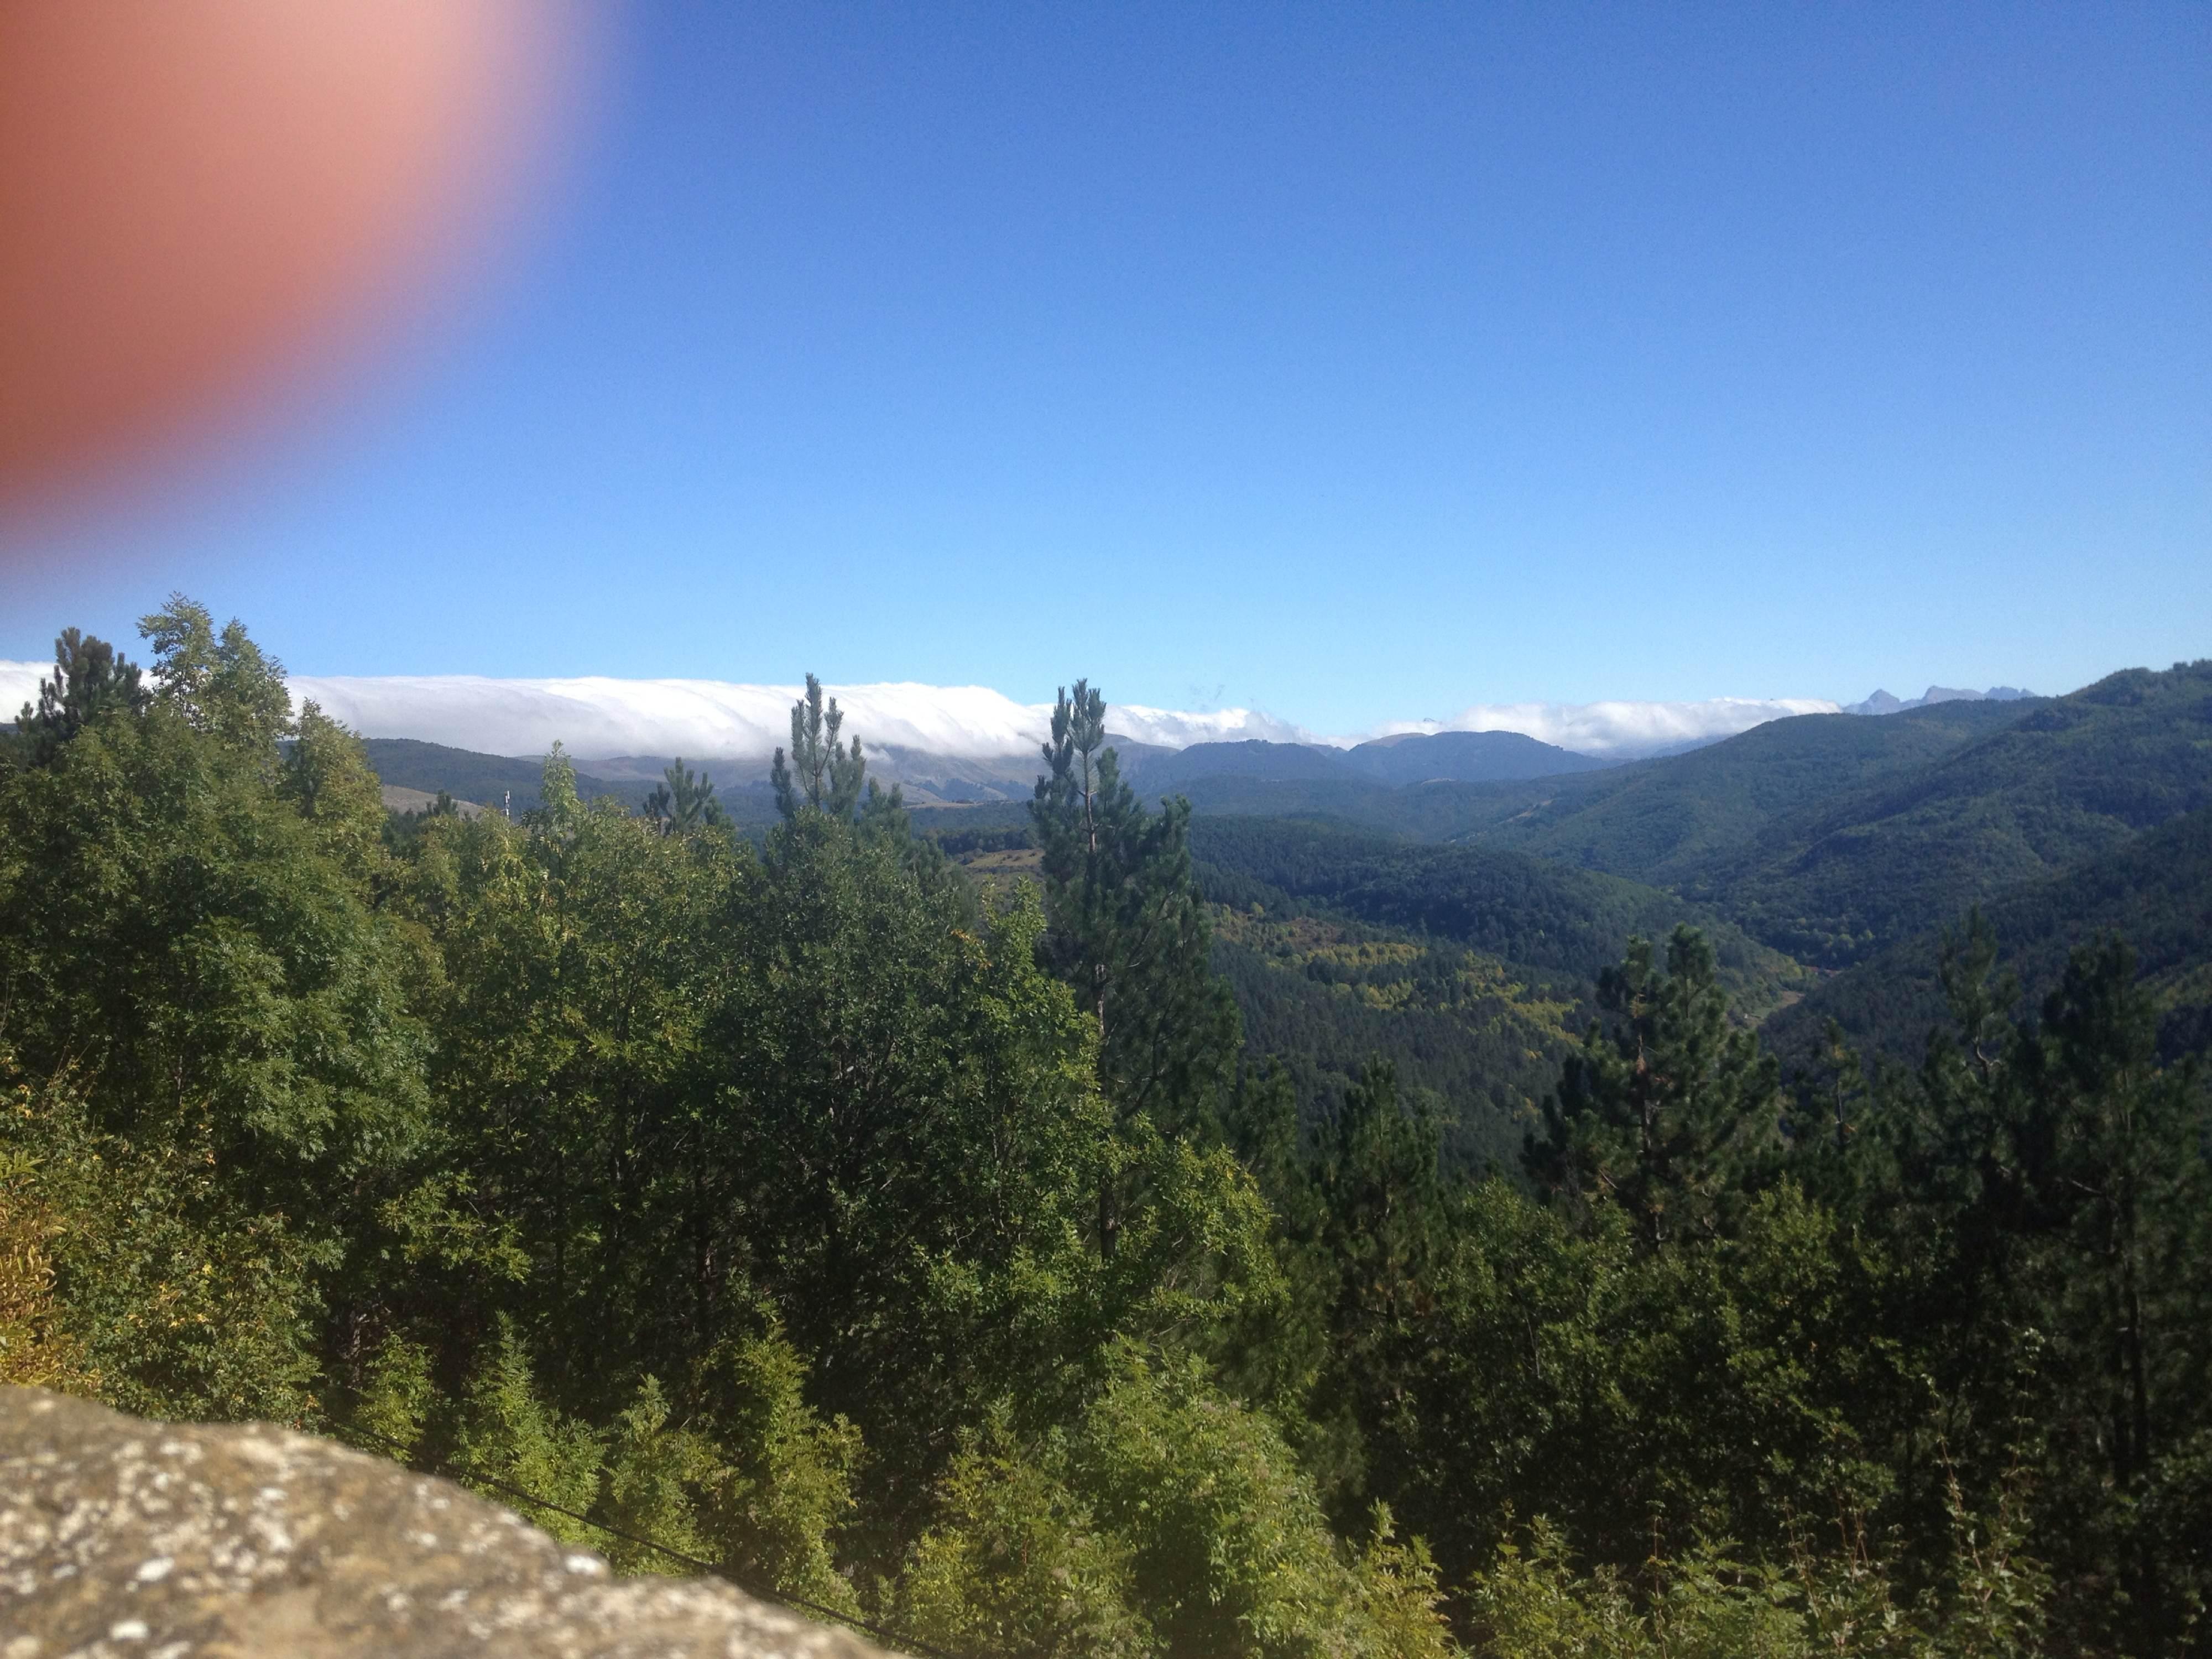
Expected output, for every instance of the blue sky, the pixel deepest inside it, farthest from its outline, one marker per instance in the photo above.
(1357, 363)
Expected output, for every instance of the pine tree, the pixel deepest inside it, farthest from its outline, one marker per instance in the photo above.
(1380, 1223)
(1129, 934)
(2052, 1191)
(1666, 1102)
(1382, 1201)
(685, 801)
(90, 680)
(819, 774)
(513, 1441)
(2119, 1156)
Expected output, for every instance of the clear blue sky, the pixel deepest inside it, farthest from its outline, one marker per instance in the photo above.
(1352, 361)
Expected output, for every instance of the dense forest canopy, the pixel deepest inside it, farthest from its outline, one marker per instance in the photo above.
(2155, 889)
(967, 1253)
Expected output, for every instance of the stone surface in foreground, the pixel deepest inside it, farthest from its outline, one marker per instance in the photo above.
(127, 1539)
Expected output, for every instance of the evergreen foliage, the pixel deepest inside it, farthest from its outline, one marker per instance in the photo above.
(2070, 779)
(653, 1468)
(2156, 891)
(1537, 918)
(819, 774)
(1128, 931)
(683, 801)
(1670, 822)
(1477, 1040)
(90, 681)
(778, 1486)
(1662, 1114)
(1015, 1563)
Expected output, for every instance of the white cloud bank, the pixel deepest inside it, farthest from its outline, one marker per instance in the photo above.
(19, 684)
(1621, 731)
(599, 717)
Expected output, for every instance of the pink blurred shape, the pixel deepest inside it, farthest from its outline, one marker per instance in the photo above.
(205, 201)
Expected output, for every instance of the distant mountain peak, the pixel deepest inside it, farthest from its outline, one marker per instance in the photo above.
(1882, 703)
(1465, 756)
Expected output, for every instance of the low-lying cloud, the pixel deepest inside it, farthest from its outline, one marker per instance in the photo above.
(1622, 731)
(19, 684)
(598, 719)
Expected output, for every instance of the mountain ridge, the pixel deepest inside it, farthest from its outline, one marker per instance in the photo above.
(1881, 702)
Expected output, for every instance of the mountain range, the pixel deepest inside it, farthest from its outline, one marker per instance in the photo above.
(1881, 702)
(1827, 853)
(930, 779)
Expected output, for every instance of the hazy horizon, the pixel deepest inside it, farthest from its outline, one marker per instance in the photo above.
(603, 718)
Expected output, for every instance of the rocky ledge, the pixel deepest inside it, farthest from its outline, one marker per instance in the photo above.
(127, 1539)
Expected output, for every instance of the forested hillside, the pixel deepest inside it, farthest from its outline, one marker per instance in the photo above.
(1651, 821)
(1412, 757)
(2156, 891)
(1478, 1044)
(1667, 822)
(2074, 778)
(1474, 1001)
(1533, 915)
(1469, 971)
(494, 781)
(1831, 836)
(1251, 758)
(945, 1251)
(1466, 757)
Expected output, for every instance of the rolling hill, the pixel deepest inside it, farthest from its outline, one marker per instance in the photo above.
(2072, 778)
(1321, 995)
(1538, 916)
(1466, 757)
(1657, 821)
(1293, 763)
(1831, 838)
(487, 779)
(2156, 891)
(1667, 821)
(1470, 969)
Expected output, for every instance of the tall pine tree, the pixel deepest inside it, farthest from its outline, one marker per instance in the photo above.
(684, 800)
(1667, 1102)
(819, 774)
(90, 680)
(1128, 932)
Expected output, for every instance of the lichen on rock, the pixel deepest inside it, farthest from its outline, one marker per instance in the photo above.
(151, 1540)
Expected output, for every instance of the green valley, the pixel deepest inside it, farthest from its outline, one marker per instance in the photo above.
(1162, 1228)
